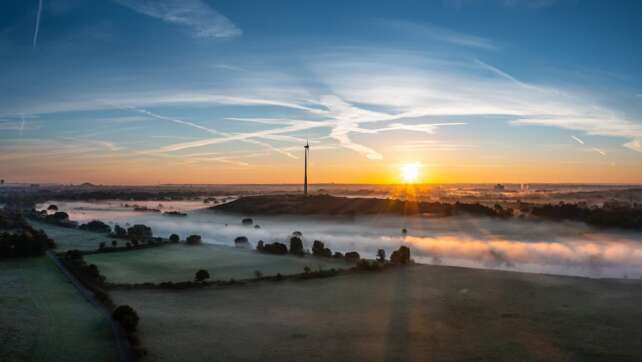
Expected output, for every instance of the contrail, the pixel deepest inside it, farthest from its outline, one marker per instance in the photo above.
(578, 140)
(35, 32)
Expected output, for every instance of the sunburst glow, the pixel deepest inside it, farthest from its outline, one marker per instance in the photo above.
(410, 172)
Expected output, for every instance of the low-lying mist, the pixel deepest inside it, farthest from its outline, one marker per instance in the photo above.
(545, 247)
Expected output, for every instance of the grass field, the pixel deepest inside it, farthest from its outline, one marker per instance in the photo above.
(422, 313)
(67, 238)
(44, 318)
(180, 262)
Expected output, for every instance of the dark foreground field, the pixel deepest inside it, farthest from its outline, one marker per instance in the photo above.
(421, 313)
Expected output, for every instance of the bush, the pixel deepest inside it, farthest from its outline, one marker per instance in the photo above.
(296, 246)
(126, 316)
(193, 240)
(174, 238)
(201, 275)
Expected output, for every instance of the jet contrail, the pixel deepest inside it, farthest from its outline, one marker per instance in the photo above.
(578, 140)
(35, 32)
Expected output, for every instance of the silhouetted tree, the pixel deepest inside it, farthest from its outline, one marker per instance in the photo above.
(381, 255)
(96, 226)
(317, 248)
(139, 232)
(352, 256)
(260, 245)
(201, 275)
(126, 316)
(296, 246)
(52, 207)
(101, 245)
(174, 238)
(193, 240)
(114, 243)
(120, 231)
(401, 256)
(247, 221)
(241, 240)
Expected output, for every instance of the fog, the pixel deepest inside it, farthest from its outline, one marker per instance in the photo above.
(567, 248)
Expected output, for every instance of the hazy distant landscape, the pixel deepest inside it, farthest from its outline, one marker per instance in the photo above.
(209, 180)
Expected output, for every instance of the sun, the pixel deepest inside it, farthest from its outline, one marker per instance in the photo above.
(410, 172)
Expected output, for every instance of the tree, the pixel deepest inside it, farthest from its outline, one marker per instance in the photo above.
(306, 269)
(96, 226)
(174, 238)
(120, 231)
(126, 316)
(60, 216)
(381, 255)
(52, 207)
(101, 245)
(114, 243)
(317, 248)
(139, 232)
(401, 256)
(247, 221)
(260, 245)
(193, 240)
(296, 246)
(241, 240)
(352, 256)
(201, 275)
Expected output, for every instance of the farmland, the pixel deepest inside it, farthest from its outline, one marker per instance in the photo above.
(44, 318)
(179, 262)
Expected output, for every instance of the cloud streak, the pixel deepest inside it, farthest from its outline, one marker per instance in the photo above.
(37, 27)
(202, 19)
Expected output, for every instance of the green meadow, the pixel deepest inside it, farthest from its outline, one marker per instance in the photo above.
(44, 318)
(179, 262)
(68, 238)
(417, 314)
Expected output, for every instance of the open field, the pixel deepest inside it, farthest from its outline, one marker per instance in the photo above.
(67, 238)
(422, 313)
(44, 318)
(179, 262)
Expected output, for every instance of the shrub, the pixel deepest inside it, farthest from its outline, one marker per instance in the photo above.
(126, 316)
(201, 275)
(193, 240)
(174, 238)
(296, 246)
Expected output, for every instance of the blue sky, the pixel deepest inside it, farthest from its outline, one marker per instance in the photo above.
(133, 91)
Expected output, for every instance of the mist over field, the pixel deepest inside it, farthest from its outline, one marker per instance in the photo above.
(567, 248)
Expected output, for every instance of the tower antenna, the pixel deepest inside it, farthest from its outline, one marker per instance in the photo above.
(305, 174)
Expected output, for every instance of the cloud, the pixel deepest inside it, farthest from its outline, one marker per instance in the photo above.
(204, 21)
(531, 4)
(633, 145)
(598, 151)
(577, 140)
(37, 27)
(440, 34)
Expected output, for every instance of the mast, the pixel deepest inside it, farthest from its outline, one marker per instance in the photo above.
(305, 177)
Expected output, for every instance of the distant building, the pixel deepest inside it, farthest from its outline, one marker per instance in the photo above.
(499, 188)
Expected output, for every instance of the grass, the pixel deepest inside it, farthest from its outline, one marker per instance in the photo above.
(179, 262)
(421, 313)
(44, 318)
(68, 239)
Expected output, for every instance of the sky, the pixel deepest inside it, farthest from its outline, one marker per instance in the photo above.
(216, 91)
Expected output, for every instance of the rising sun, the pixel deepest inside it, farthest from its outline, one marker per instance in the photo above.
(410, 172)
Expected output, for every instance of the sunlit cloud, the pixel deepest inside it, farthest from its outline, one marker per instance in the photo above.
(203, 20)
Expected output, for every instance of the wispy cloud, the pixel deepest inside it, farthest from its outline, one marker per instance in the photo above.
(578, 140)
(440, 34)
(634, 145)
(201, 18)
(37, 27)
